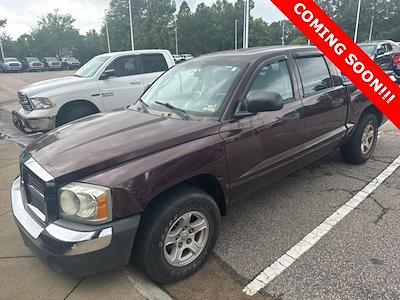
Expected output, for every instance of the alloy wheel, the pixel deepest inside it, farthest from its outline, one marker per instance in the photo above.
(186, 239)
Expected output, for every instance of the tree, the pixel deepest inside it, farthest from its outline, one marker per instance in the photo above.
(3, 23)
(185, 27)
(55, 34)
(119, 25)
(158, 24)
(89, 46)
(260, 33)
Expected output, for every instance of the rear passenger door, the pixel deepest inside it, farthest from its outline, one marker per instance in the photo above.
(153, 66)
(324, 99)
(126, 87)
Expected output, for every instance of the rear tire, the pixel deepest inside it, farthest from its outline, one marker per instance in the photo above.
(171, 243)
(363, 141)
(73, 113)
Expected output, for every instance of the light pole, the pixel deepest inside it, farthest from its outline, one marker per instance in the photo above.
(246, 18)
(131, 22)
(176, 37)
(357, 21)
(244, 23)
(1, 49)
(372, 24)
(107, 34)
(371, 29)
(236, 34)
(283, 32)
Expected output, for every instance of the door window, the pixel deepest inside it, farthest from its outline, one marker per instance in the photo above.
(314, 74)
(154, 63)
(124, 66)
(274, 77)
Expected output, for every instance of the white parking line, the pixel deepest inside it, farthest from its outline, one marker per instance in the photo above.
(287, 259)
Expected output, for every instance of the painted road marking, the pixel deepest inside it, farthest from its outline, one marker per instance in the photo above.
(287, 259)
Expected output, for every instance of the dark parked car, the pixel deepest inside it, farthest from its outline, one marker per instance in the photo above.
(70, 63)
(381, 52)
(153, 180)
(32, 64)
(10, 64)
(51, 63)
(396, 61)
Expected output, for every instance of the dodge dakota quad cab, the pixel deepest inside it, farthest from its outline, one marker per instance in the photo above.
(152, 181)
(107, 82)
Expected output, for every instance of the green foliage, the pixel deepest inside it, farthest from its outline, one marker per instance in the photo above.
(208, 28)
(54, 34)
(87, 46)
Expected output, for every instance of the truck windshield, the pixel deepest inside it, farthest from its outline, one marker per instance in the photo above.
(199, 88)
(369, 49)
(91, 68)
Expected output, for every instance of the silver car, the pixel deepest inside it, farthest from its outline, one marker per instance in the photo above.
(10, 64)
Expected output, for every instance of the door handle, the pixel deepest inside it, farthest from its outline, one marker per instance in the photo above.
(135, 82)
(291, 117)
(337, 102)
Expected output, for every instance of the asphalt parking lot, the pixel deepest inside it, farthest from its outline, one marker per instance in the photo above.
(357, 258)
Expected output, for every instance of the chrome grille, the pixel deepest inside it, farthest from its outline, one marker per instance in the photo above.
(14, 65)
(24, 101)
(35, 189)
(37, 64)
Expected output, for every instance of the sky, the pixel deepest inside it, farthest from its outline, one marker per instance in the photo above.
(21, 15)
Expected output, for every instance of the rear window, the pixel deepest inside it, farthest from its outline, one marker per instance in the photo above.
(154, 63)
(314, 74)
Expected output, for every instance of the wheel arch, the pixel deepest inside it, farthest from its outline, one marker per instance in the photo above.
(69, 104)
(206, 182)
(372, 109)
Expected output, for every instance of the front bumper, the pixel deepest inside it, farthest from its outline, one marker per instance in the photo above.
(33, 124)
(78, 250)
(13, 69)
(58, 67)
(36, 68)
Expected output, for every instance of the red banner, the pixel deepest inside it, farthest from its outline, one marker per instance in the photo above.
(345, 54)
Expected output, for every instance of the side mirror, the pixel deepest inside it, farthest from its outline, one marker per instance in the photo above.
(380, 51)
(107, 74)
(260, 101)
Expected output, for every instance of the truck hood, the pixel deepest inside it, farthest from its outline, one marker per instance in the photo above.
(104, 140)
(44, 88)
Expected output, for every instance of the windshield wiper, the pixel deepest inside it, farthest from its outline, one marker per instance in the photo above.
(75, 75)
(180, 112)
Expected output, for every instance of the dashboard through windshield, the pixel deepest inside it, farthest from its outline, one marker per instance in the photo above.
(198, 88)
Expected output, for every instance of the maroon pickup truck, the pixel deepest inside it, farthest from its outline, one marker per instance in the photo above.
(152, 181)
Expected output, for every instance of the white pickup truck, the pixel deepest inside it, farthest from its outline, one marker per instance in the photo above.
(107, 82)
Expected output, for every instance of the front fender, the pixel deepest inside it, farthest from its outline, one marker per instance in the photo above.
(135, 184)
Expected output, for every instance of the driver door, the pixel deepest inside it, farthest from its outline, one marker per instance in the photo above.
(125, 87)
(263, 147)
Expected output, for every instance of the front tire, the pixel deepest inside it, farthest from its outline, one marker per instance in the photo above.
(177, 235)
(73, 113)
(363, 141)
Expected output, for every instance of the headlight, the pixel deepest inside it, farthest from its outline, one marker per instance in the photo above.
(42, 102)
(85, 203)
